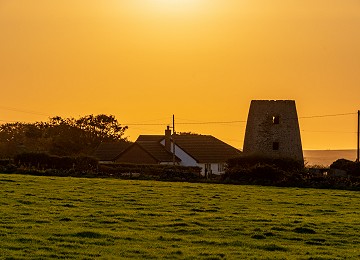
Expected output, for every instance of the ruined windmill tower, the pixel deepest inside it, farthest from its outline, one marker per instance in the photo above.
(273, 131)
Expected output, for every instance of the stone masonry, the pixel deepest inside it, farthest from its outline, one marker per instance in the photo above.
(272, 130)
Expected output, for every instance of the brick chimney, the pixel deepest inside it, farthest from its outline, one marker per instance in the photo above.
(168, 139)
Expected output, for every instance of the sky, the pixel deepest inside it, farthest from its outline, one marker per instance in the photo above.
(200, 60)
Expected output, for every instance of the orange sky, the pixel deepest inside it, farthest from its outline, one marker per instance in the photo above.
(202, 60)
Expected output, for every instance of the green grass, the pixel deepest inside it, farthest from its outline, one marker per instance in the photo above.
(49, 217)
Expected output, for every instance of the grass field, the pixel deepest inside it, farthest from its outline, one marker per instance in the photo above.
(49, 217)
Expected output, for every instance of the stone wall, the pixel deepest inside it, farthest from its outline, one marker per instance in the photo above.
(272, 130)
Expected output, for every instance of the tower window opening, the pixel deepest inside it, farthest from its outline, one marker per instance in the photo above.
(276, 120)
(276, 146)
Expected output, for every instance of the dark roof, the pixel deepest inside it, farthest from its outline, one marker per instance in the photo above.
(206, 148)
(203, 148)
(150, 138)
(108, 151)
(157, 150)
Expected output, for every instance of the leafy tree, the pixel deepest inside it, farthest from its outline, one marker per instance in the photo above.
(103, 127)
(81, 136)
(12, 138)
(60, 136)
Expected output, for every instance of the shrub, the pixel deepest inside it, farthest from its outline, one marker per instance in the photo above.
(10, 168)
(85, 163)
(286, 164)
(262, 174)
(264, 171)
(38, 160)
(352, 168)
(63, 163)
(45, 161)
(5, 162)
(152, 171)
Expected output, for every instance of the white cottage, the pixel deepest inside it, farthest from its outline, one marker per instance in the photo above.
(204, 151)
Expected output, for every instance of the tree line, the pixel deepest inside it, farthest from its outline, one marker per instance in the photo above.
(60, 136)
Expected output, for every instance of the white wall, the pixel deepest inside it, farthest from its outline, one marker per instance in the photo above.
(202, 165)
(187, 160)
(215, 168)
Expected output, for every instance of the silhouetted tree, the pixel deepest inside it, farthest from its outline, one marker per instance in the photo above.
(60, 136)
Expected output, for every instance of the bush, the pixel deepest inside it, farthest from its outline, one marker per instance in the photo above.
(262, 174)
(45, 161)
(151, 171)
(37, 160)
(85, 163)
(264, 171)
(176, 174)
(10, 168)
(286, 164)
(5, 162)
(352, 168)
(62, 163)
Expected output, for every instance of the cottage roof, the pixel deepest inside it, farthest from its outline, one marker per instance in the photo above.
(203, 148)
(108, 151)
(157, 150)
(150, 138)
(206, 148)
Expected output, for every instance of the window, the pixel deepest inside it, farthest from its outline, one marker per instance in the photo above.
(276, 146)
(208, 171)
(221, 167)
(207, 167)
(276, 120)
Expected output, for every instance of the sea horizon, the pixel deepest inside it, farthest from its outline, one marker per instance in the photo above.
(327, 157)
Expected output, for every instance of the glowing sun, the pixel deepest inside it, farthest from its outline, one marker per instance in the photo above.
(176, 5)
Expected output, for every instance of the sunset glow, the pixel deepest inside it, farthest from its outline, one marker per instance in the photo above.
(202, 60)
(175, 5)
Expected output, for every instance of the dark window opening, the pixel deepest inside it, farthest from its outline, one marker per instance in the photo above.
(275, 146)
(276, 120)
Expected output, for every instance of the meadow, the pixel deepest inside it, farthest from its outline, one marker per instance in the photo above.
(79, 218)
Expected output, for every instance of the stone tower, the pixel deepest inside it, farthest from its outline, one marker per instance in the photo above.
(272, 130)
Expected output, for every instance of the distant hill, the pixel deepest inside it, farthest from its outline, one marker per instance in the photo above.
(326, 157)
